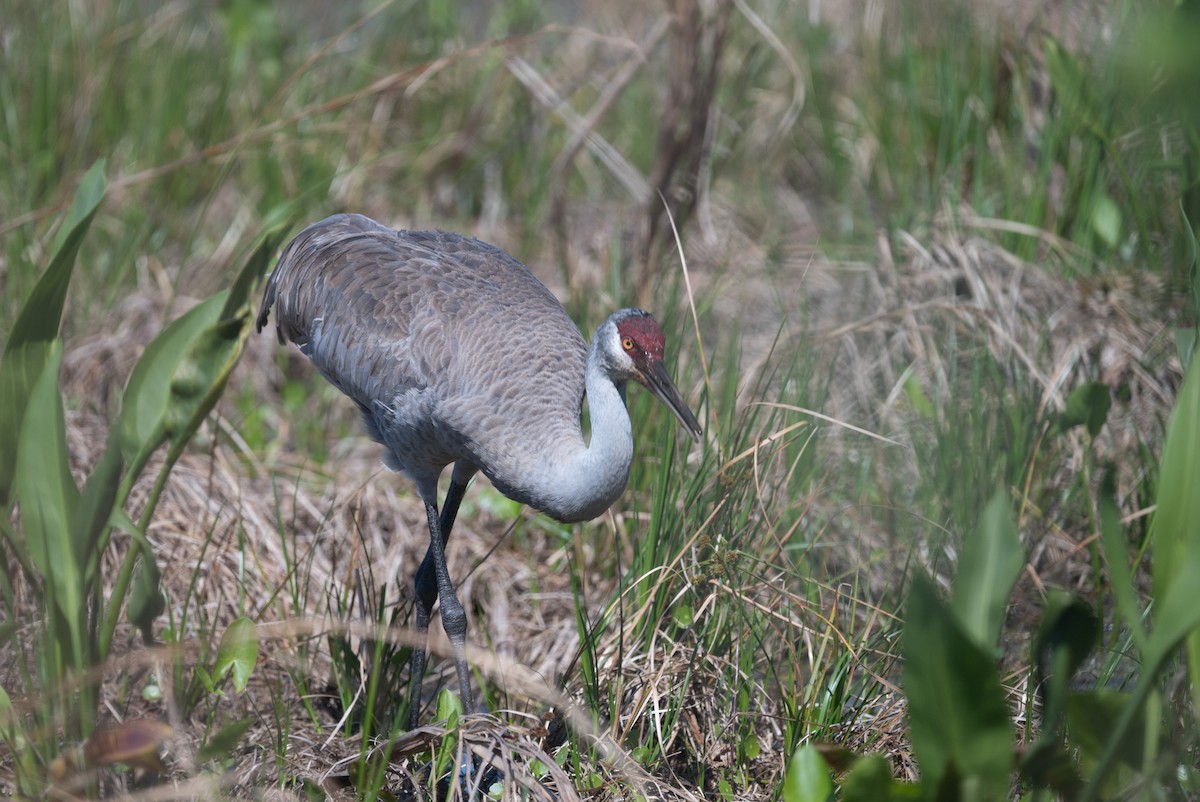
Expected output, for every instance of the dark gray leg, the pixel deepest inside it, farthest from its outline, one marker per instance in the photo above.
(429, 586)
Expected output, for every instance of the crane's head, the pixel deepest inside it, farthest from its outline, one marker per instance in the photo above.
(634, 350)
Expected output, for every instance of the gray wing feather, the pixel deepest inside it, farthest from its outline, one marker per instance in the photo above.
(450, 346)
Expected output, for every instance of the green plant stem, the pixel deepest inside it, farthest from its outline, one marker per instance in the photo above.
(125, 576)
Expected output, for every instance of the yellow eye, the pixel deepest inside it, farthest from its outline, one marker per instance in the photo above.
(627, 343)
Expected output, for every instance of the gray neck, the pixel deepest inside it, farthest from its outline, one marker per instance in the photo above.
(588, 479)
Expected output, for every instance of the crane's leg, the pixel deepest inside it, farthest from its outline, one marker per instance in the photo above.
(428, 587)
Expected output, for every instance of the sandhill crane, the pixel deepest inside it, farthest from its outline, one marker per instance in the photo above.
(457, 354)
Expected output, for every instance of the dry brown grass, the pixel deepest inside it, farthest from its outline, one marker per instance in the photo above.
(231, 526)
(234, 525)
(232, 529)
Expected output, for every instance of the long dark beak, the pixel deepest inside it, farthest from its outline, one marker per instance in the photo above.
(659, 383)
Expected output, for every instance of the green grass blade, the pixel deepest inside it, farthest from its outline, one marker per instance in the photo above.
(956, 706)
(49, 501)
(991, 560)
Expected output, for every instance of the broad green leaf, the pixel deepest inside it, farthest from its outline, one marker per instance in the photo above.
(1176, 616)
(1175, 533)
(1185, 338)
(750, 747)
(238, 653)
(449, 708)
(144, 404)
(185, 367)
(183, 372)
(49, 501)
(25, 350)
(989, 564)
(1087, 405)
(1175, 528)
(41, 315)
(172, 389)
(449, 711)
(20, 369)
(84, 205)
(1191, 228)
(956, 705)
(121, 590)
(201, 375)
(807, 778)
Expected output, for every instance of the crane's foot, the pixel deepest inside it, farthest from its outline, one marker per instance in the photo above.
(475, 781)
(474, 778)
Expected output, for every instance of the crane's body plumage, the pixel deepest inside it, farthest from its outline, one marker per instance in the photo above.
(453, 351)
(457, 354)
